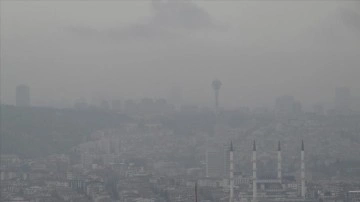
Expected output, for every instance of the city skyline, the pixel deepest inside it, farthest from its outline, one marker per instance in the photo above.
(255, 63)
(180, 101)
(342, 100)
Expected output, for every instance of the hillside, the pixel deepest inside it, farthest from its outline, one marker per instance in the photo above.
(32, 132)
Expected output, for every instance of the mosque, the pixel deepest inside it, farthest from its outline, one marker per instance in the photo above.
(269, 190)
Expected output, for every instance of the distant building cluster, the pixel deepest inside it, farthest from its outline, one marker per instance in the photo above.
(164, 154)
(285, 107)
(145, 163)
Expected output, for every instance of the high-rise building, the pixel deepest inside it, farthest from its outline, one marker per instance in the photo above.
(216, 85)
(22, 96)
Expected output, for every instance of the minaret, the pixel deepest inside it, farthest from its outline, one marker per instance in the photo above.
(196, 192)
(279, 174)
(254, 173)
(231, 198)
(302, 170)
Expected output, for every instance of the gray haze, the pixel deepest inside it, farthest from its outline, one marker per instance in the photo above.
(121, 49)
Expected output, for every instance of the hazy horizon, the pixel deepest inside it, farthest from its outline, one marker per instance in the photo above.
(123, 50)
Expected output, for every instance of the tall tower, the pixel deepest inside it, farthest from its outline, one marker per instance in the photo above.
(254, 173)
(302, 170)
(231, 198)
(279, 174)
(196, 192)
(216, 85)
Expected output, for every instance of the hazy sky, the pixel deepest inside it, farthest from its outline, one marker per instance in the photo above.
(125, 49)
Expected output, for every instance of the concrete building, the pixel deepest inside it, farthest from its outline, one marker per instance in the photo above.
(277, 189)
(353, 196)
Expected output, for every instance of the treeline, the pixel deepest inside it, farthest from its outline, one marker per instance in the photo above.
(34, 131)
